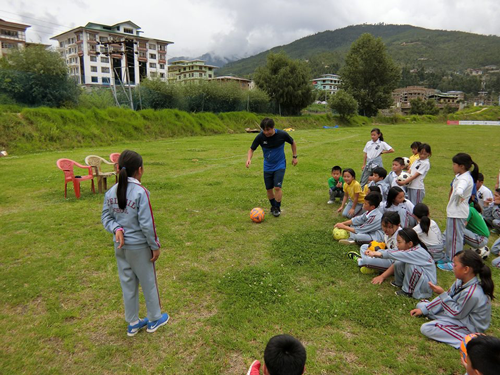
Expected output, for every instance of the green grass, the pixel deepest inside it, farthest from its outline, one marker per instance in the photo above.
(229, 284)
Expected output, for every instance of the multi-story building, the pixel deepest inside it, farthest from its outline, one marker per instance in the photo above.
(242, 82)
(403, 96)
(12, 36)
(190, 71)
(101, 54)
(327, 82)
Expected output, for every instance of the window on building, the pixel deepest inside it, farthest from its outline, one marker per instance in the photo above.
(152, 56)
(152, 46)
(95, 79)
(93, 59)
(12, 33)
(105, 60)
(162, 75)
(93, 68)
(103, 39)
(162, 66)
(209, 76)
(8, 45)
(104, 69)
(152, 65)
(128, 31)
(105, 80)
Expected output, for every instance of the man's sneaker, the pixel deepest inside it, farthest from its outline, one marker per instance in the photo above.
(367, 271)
(330, 202)
(347, 241)
(153, 326)
(353, 255)
(402, 293)
(275, 211)
(133, 329)
(446, 266)
(393, 283)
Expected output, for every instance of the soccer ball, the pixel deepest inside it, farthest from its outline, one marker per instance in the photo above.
(406, 161)
(257, 215)
(403, 176)
(483, 252)
(340, 234)
(463, 344)
(375, 246)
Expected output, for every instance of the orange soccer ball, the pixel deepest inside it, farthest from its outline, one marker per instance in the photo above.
(463, 345)
(257, 215)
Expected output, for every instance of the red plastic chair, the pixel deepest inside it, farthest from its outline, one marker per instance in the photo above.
(114, 159)
(66, 165)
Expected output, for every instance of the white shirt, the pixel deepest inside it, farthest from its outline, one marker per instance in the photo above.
(458, 205)
(392, 241)
(422, 167)
(433, 238)
(483, 193)
(374, 149)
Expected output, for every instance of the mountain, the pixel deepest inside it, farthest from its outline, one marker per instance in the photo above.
(410, 46)
(209, 58)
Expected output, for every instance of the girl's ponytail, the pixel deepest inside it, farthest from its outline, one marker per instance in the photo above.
(475, 171)
(469, 258)
(128, 162)
(464, 159)
(487, 281)
(421, 211)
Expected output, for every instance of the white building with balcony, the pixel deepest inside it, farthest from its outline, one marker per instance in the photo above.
(327, 82)
(99, 54)
(12, 36)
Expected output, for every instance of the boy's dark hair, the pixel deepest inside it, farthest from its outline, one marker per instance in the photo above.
(337, 168)
(350, 171)
(426, 147)
(380, 171)
(469, 258)
(421, 211)
(374, 188)
(399, 160)
(391, 217)
(483, 352)
(415, 144)
(285, 355)
(373, 198)
(128, 162)
(480, 177)
(267, 123)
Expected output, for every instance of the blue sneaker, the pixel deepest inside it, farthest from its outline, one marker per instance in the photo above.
(446, 266)
(153, 326)
(133, 329)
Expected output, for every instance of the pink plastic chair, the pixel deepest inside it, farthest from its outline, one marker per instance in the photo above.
(66, 165)
(114, 159)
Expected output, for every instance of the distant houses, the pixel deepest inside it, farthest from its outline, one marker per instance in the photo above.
(327, 82)
(190, 72)
(403, 96)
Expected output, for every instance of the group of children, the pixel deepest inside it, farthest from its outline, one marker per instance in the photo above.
(397, 238)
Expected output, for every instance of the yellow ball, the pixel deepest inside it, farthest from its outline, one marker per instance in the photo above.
(339, 234)
(376, 246)
(257, 215)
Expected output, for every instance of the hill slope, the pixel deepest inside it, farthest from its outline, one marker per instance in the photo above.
(408, 45)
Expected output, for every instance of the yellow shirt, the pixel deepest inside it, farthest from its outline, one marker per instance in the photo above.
(353, 188)
(412, 159)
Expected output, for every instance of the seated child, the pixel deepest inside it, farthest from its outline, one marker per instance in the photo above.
(428, 232)
(397, 202)
(398, 165)
(495, 249)
(366, 227)
(414, 150)
(484, 195)
(476, 232)
(483, 355)
(368, 265)
(491, 214)
(465, 308)
(284, 355)
(378, 179)
(376, 189)
(353, 193)
(336, 185)
(413, 268)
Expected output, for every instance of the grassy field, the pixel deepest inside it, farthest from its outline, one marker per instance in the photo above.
(229, 284)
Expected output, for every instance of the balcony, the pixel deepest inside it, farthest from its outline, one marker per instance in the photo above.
(142, 47)
(142, 58)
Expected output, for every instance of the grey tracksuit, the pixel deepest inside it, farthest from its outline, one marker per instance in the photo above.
(378, 263)
(413, 269)
(133, 259)
(492, 216)
(464, 309)
(367, 227)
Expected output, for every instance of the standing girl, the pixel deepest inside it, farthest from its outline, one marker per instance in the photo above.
(428, 232)
(457, 210)
(127, 214)
(397, 202)
(465, 308)
(353, 193)
(413, 268)
(418, 171)
(373, 149)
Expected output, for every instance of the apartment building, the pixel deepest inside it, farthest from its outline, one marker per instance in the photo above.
(190, 72)
(98, 54)
(327, 82)
(12, 36)
(403, 96)
(244, 83)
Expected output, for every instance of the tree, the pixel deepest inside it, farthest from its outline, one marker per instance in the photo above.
(35, 76)
(344, 104)
(286, 81)
(370, 75)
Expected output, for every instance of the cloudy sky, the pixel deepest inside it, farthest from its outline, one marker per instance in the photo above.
(245, 27)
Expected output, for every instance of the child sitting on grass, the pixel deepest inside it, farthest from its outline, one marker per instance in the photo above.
(368, 265)
(491, 214)
(353, 193)
(284, 355)
(428, 232)
(366, 227)
(465, 308)
(336, 185)
(413, 268)
(378, 179)
(397, 202)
